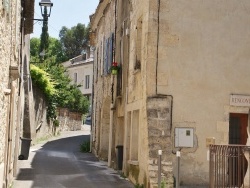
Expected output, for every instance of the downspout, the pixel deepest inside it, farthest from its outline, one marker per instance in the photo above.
(112, 105)
(157, 46)
(157, 64)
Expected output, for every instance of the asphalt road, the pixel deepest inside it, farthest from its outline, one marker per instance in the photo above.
(59, 164)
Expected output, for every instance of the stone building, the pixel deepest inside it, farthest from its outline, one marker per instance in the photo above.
(15, 26)
(80, 71)
(183, 79)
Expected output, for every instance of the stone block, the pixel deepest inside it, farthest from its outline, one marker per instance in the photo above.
(151, 162)
(152, 174)
(163, 113)
(154, 132)
(167, 169)
(169, 163)
(153, 167)
(152, 123)
(152, 113)
(163, 124)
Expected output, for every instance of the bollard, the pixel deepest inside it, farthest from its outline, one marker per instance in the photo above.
(178, 156)
(159, 168)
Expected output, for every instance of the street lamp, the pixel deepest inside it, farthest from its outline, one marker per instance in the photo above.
(45, 4)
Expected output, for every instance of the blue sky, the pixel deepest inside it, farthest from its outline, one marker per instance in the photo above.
(64, 13)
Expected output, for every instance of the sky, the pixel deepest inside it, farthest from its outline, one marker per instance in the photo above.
(64, 13)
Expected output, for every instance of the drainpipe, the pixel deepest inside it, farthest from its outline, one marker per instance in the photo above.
(157, 47)
(157, 64)
(156, 74)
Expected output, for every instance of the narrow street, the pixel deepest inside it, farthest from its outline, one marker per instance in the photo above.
(59, 163)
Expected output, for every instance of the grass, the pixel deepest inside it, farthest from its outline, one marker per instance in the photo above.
(85, 146)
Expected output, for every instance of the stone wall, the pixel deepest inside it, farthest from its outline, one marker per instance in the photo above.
(42, 127)
(10, 48)
(102, 81)
(159, 138)
(69, 121)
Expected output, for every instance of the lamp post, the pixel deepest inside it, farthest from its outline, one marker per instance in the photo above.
(45, 6)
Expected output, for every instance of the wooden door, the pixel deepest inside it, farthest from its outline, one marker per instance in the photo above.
(237, 164)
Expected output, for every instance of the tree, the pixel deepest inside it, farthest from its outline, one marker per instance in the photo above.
(44, 44)
(74, 40)
(34, 50)
(67, 95)
(54, 50)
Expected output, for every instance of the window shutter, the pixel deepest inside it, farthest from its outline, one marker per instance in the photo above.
(111, 50)
(106, 57)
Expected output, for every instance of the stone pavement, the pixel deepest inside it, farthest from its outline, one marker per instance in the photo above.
(58, 163)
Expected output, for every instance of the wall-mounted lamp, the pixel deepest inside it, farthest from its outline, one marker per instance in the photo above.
(46, 6)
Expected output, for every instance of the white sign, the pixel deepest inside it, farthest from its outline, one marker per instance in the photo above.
(240, 100)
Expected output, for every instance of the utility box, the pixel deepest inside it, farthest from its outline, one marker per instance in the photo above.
(184, 137)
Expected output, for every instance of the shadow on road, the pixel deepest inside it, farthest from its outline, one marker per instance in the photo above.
(59, 163)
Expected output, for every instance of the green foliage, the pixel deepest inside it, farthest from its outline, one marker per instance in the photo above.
(53, 53)
(76, 102)
(49, 75)
(56, 123)
(139, 186)
(85, 146)
(74, 40)
(43, 80)
(163, 184)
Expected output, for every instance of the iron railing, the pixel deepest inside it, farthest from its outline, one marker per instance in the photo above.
(229, 166)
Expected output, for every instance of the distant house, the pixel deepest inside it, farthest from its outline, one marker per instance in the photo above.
(80, 70)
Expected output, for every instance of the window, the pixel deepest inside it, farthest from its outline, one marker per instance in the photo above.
(75, 78)
(108, 54)
(87, 81)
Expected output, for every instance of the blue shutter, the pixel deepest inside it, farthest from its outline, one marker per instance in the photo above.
(111, 39)
(106, 57)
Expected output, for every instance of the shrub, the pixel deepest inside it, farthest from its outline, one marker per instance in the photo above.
(85, 146)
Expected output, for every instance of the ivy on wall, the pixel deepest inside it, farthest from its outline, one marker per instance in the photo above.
(43, 81)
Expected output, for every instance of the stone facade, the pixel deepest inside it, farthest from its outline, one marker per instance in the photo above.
(14, 52)
(80, 71)
(180, 63)
(9, 87)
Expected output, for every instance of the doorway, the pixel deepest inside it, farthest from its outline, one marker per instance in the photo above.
(237, 164)
(238, 129)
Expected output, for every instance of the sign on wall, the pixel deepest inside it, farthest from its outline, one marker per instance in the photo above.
(240, 100)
